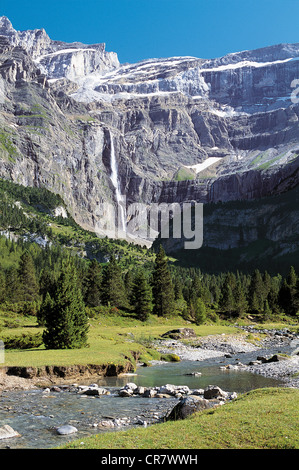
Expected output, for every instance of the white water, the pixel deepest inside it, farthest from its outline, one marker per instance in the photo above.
(121, 223)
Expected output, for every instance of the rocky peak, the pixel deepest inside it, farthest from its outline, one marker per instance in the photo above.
(183, 128)
(58, 59)
(5, 26)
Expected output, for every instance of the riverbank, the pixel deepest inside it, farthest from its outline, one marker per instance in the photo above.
(248, 422)
(282, 367)
(197, 348)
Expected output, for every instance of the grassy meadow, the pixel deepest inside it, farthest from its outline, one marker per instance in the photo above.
(260, 419)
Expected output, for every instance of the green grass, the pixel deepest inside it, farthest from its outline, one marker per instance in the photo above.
(184, 174)
(111, 339)
(260, 419)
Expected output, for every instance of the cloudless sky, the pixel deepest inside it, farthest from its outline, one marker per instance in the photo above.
(142, 29)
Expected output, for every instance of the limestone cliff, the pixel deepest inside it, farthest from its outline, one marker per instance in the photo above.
(181, 129)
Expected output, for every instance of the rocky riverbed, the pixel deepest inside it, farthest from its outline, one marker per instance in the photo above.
(284, 367)
(42, 414)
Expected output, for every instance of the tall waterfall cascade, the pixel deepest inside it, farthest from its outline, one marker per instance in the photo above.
(121, 206)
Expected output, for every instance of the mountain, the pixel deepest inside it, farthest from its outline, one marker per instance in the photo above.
(77, 122)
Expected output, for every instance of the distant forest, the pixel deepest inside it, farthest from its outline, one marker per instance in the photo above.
(129, 279)
(162, 289)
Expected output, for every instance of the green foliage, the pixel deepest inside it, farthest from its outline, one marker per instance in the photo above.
(28, 287)
(135, 281)
(141, 297)
(184, 174)
(23, 341)
(200, 312)
(113, 288)
(92, 284)
(163, 293)
(64, 315)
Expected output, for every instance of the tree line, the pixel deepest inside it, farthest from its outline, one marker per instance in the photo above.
(60, 289)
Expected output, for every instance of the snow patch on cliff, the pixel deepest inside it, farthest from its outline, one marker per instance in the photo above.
(202, 166)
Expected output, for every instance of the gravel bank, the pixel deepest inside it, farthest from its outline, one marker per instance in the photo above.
(11, 382)
(229, 345)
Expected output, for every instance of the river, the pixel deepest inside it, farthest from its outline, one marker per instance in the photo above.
(36, 415)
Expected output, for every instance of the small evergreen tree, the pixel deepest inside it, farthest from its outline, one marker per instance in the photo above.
(29, 288)
(113, 288)
(129, 281)
(267, 311)
(46, 282)
(227, 301)
(65, 318)
(240, 299)
(200, 312)
(256, 293)
(12, 284)
(92, 284)
(142, 297)
(163, 294)
(45, 310)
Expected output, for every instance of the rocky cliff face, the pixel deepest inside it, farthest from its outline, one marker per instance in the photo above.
(181, 128)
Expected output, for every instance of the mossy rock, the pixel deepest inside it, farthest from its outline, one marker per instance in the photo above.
(170, 357)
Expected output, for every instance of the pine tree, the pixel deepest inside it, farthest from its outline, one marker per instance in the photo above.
(12, 284)
(227, 301)
(287, 293)
(129, 281)
(267, 311)
(46, 282)
(45, 310)
(256, 293)
(29, 288)
(65, 318)
(178, 289)
(240, 299)
(163, 294)
(200, 312)
(113, 288)
(92, 284)
(142, 297)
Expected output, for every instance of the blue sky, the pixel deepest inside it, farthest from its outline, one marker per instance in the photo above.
(142, 29)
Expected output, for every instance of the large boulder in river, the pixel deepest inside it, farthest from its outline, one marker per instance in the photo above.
(187, 406)
(180, 333)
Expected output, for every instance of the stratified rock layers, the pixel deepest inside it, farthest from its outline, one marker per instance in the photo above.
(61, 104)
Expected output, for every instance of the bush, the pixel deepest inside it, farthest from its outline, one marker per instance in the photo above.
(24, 341)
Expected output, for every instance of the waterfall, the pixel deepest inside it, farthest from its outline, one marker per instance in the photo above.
(121, 223)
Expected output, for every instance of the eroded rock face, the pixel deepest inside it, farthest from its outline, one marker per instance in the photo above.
(65, 106)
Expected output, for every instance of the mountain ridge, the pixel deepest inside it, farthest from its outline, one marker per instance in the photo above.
(182, 129)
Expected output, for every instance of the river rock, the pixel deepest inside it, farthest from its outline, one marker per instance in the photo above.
(66, 429)
(150, 393)
(195, 374)
(213, 391)
(174, 389)
(128, 390)
(180, 333)
(187, 406)
(7, 432)
(125, 392)
(140, 390)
